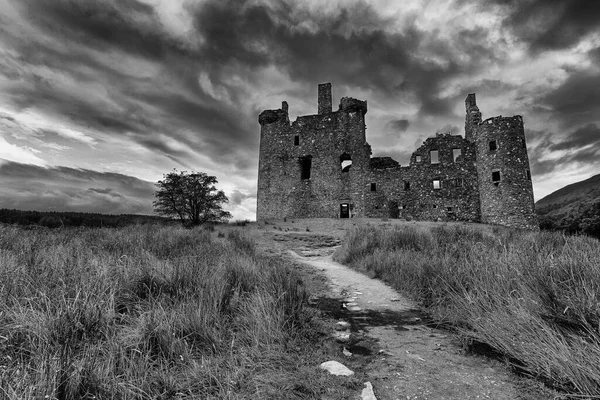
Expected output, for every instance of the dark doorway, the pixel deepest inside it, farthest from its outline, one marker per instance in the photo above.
(305, 165)
(393, 209)
(344, 210)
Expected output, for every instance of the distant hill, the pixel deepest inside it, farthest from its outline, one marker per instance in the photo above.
(574, 208)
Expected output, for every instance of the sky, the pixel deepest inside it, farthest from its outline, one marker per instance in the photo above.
(100, 98)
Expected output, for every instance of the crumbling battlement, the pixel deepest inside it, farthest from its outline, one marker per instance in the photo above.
(321, 166)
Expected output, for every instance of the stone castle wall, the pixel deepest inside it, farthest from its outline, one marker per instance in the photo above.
(503, 173)
(318, 143)
(303, 170)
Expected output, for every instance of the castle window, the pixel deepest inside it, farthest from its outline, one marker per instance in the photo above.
(418, 158)
(435, 206)
(456, 153)
(523, 143)
(450, 209)
(528, 175)
(437, 184)
(434, 155)
(373, 187)
(346, 162)
(496, 177)
(296, 140)
(406, 185)
(401, 207)
(305, 165)
(458, 182)
(493, 145)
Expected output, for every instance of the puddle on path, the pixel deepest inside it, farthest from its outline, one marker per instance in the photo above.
(363, 319)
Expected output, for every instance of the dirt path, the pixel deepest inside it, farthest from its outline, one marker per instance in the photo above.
(408, 357)
(415, 360)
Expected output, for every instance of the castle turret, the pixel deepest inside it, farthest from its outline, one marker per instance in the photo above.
(505, 188)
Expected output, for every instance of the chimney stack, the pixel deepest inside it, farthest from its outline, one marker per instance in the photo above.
(325, 98)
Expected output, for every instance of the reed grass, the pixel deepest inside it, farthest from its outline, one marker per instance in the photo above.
(532, 296)
(153, 312)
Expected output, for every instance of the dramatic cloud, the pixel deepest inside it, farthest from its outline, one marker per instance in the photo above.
(551, 24)
(31, 187)
(399, 125)
(587, 135)
(576, 100)
(139, 87)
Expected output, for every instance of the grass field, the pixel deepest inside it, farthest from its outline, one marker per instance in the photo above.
(149, 312)
(532, 296)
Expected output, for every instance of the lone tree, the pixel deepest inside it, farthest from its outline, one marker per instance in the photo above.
(190, 196)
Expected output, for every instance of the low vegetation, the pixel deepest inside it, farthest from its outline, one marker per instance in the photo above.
(149, 312)
(533, 297)
(573, 209)
(52, 219)
(572, 218)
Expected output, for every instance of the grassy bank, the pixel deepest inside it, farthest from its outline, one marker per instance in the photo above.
(533, 297)
(152, 312)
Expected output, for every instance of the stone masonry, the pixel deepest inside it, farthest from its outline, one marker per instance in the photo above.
(321, 166)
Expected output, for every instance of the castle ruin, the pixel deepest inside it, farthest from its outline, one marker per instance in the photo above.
(321, 166)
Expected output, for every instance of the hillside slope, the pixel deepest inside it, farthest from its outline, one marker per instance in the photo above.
(574, 208)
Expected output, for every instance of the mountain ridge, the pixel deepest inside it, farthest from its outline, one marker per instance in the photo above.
(574, 208)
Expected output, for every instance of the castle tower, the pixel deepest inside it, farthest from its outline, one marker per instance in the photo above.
(316, 166)
(274, 136)
(505, 188)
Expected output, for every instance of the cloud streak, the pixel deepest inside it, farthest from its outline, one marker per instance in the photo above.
(32, 187)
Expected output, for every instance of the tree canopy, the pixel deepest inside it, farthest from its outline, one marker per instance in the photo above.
(190, 196)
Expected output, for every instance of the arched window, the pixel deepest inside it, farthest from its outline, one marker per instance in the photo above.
(345, 162)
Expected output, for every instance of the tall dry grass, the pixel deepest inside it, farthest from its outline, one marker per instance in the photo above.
(532, 296)
(151, 312)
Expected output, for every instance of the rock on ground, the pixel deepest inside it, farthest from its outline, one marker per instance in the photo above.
(367, 392)
(336, 368)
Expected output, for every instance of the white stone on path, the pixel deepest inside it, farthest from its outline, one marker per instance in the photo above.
(367, 392)
(336, 368)
(342, 326)
(341, 336)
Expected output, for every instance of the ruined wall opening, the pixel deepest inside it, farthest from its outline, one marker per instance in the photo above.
(434, 156)
(406, 185)
(528, 175)
(305, 166)
(455, 154)
(437, 184)
(418, 158)
(496, 177)
(373, 187)
(493, 145)
(296, 140)
(523, 143)
(346, 210)
(345, 162)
